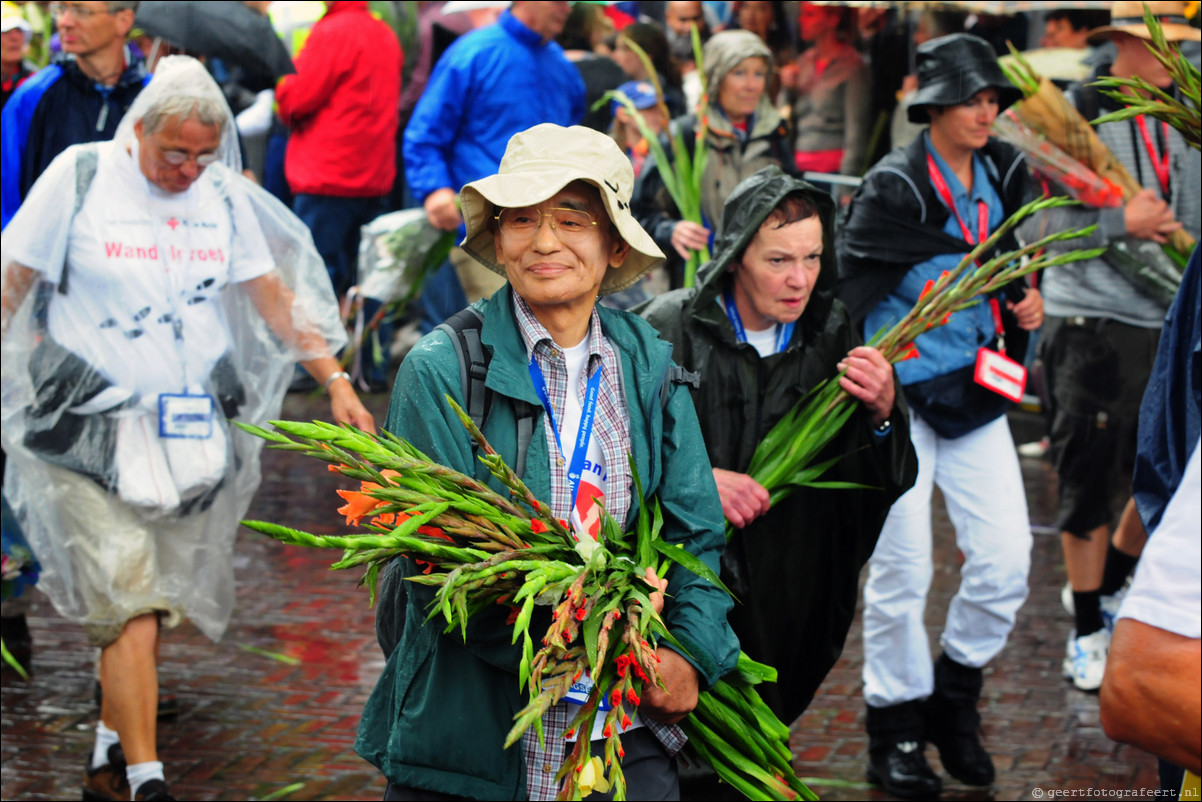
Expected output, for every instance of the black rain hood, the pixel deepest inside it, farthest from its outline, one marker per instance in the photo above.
(749, 205)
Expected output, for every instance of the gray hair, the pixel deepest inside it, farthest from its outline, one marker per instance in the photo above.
(205, 110)
(121, 5)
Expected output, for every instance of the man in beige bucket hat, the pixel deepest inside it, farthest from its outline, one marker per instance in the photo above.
(555, 221)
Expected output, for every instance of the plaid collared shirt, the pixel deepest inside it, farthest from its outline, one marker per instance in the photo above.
(612, 424)
(612, 430)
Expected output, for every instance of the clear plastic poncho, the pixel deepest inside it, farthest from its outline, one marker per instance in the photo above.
(125, 306)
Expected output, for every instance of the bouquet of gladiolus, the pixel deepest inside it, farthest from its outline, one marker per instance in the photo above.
(1046, 110)
(1073, 177)
(682, 173)
(786, 458)
(480, 548)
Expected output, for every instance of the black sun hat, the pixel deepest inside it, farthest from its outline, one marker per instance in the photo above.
(952, 69)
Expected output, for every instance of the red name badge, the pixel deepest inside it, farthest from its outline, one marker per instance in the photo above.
(1001, 374)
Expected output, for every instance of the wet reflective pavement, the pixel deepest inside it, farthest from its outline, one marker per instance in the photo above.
(251, 725)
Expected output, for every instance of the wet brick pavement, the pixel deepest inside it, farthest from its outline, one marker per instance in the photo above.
(251, 725)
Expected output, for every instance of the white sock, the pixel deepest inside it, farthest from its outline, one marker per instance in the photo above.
(141, 773)
(104, 739)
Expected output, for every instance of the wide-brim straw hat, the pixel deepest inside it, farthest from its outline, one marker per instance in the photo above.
(538, 163)
(952, 70)
(1128, 17)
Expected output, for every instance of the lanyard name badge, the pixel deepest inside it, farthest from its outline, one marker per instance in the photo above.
(579, 692)
(784, 331)
(588, 416)
(184, 414)
(994, 370)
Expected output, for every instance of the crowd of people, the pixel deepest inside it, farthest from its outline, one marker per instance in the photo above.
(182, 224)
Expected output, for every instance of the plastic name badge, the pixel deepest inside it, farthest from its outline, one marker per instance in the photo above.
(189, 416)
(1001, 374)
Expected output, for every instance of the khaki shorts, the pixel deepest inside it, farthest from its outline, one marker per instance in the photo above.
(114, 557)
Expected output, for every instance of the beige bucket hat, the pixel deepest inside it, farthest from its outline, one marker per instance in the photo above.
(539, 162)
(1128, 17)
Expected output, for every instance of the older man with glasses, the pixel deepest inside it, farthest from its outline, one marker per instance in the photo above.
(555, 221)
(78, 99)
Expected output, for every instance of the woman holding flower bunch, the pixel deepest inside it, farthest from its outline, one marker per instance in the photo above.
(762, 330)
(919, 211)
(555, 221)
(150, 293)
(744, 134)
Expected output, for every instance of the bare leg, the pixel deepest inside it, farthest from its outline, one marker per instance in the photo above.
(131, 688)
(1129, 536)
(1084, 559)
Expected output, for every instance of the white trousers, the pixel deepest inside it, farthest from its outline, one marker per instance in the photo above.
(982, 485)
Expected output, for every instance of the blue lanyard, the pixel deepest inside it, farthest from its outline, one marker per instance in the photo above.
(588, 415)
(784, 331)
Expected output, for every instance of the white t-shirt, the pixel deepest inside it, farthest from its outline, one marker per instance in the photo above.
(1167, 589)
(142, 264)
(764, 342)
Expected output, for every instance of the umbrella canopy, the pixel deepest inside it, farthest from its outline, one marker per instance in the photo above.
(224, 29)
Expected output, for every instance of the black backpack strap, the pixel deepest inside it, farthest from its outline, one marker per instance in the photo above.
(677, 375)
(527, 414)
(463, 328)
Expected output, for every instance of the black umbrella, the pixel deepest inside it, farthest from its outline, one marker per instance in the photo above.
(224, 29)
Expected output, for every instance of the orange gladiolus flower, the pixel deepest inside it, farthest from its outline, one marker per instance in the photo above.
(358, 503)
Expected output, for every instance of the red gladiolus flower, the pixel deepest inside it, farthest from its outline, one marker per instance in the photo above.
(581, 613)
(538, 527)
(616, 697)
(626, 722)
(621, 751)
(569, 733)
(632, 697)
(608, 731)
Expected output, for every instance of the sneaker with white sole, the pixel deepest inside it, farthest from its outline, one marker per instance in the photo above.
(1085, 662)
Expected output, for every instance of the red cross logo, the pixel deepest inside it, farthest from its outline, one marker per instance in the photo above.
(172, 223)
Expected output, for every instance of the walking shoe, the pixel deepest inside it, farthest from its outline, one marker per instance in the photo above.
(895, 752)
(1035, 450)
(1085, 662)
(107, 782)
(154, 791)
(953, 723)
(902, 770)
(1108, 604)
